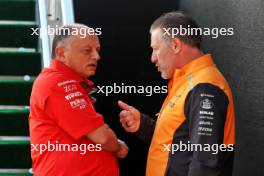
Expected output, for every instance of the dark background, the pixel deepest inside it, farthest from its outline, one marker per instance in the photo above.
(125, 58)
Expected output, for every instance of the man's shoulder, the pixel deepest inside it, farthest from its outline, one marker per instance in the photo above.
(211, 75)
(52, 78)
(50, 82)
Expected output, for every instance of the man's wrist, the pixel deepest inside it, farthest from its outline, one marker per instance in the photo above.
(119, 146)
(120, 142)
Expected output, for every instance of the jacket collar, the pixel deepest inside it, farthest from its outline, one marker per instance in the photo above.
(57, 65)
(187, 70)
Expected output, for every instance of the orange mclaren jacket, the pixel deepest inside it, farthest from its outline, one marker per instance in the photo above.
(194, 133)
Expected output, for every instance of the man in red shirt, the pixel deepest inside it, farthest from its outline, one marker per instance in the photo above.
(68, 136)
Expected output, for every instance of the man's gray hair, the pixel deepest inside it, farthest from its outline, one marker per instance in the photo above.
(63, 33)
(177, 19)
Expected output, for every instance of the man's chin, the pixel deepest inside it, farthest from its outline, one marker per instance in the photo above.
(90, 74)
(164, 76)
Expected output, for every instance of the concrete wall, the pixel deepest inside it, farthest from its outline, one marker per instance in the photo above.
(241, 59)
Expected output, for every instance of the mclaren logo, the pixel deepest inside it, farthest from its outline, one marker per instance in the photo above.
(206, 104)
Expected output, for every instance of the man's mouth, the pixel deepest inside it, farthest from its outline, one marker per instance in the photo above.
(158, 68)
(92, 65)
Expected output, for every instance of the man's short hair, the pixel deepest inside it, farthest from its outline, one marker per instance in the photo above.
(63, 33)
(178, 19)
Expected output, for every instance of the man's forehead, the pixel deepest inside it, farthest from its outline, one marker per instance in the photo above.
(89, 39)
(157, 33)
(90, 44)
(156, 36)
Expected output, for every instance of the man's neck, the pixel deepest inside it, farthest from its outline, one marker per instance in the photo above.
(191, 54)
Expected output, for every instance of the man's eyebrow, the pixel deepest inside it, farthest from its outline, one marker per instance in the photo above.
(98, 48)
(86, 46)
(90, 46)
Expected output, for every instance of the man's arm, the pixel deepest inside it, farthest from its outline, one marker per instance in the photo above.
(146, 128)
(80, 119)
(108, 140)
(205, 110)
(106, 137)
(135, 122)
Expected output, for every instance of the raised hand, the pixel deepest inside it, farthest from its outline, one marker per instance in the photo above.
(129, 117)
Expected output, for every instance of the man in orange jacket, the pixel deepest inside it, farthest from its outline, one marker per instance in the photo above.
(194, 132)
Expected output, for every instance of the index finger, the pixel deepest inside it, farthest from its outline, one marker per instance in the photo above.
(123, 105)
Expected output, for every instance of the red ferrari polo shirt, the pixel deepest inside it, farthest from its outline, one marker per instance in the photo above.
(61, 114)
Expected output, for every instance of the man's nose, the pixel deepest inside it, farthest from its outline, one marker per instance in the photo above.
(154, 59)
(96, 55)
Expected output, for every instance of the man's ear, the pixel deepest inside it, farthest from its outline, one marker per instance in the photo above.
(60, 54)
(176, 45)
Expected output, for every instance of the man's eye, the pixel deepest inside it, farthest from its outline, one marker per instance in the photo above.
(87, 50)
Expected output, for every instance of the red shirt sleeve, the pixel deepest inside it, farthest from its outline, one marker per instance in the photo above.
(72, 110)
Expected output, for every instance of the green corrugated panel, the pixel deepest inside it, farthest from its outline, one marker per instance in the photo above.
(13, 109)
(15, 172)
(14, 140)
(17, 79)
(22, 63)
(24, 10)
(21, 32)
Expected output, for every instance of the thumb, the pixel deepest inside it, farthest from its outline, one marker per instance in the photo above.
(123, 105)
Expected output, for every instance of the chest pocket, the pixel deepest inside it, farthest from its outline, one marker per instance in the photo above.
(173, 113)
